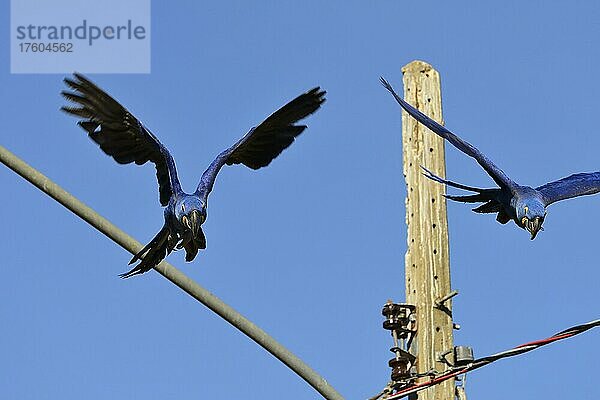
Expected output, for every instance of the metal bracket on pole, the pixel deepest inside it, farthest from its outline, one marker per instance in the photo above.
(439, 303)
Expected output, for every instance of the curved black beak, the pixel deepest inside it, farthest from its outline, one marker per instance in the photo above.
(533, 226)
(193, 221)
(196, 221)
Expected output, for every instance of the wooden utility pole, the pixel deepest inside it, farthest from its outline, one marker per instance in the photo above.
(427, 260)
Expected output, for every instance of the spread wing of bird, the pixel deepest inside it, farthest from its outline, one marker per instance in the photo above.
(493, 171)
(575, 185)
(118, 133)
(266, 141)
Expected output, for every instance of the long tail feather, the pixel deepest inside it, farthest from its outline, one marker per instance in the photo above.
(156, 239)
(436, 178)
(474, 198)
(491, 206)
(152, 254)
(487, 196)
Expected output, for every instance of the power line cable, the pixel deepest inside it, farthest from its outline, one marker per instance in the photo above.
(177, 277)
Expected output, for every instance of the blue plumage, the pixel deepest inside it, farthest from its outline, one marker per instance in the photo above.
(123, 137)
(525, 205)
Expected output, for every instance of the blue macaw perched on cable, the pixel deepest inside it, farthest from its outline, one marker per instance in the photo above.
(525, 205)
(123, 137)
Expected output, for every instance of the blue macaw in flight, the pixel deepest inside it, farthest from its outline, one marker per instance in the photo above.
(123, 137)
(525, 205)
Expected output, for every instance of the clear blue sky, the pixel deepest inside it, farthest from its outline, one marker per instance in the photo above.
(312, 246)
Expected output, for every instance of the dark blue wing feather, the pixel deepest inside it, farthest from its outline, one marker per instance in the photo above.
(119, 134)
(495, 173)
(266, 141)
(575, 185)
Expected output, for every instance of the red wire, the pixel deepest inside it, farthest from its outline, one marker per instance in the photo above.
(432, 382)
(547, 340)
